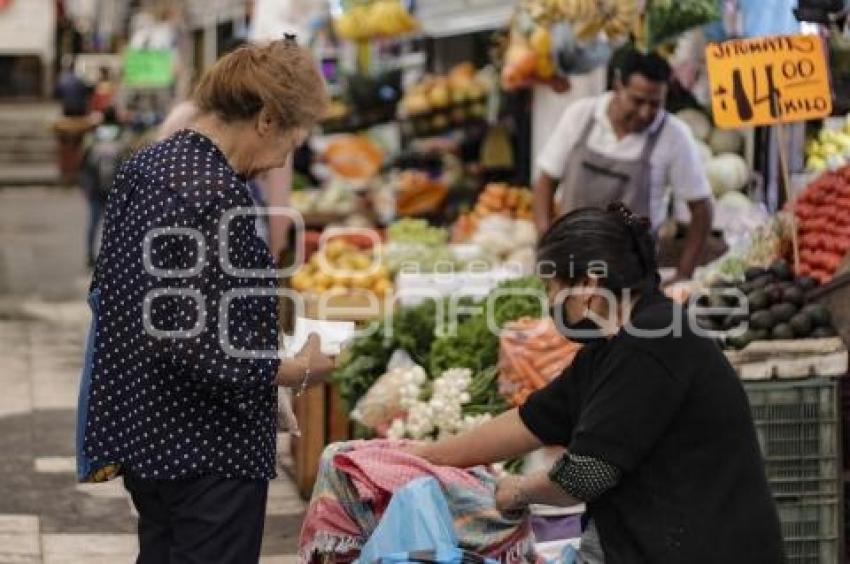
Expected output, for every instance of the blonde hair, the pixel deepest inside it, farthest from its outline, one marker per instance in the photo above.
(281, 77)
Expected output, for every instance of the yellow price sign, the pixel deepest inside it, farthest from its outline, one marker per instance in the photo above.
(768, 80)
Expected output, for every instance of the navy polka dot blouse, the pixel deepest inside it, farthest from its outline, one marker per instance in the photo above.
(185, 353)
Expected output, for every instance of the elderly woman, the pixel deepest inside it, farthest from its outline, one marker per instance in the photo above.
(179, 394)
(662, 446)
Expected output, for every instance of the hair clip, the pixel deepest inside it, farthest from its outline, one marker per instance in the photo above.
(290, 38)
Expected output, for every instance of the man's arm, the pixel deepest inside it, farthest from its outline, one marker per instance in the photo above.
(544, 194)
(702, 214)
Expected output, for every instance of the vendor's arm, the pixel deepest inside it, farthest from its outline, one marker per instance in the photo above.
(500, 439)
(686, 174)
(698, 233)
(543, 202)
(573, 480)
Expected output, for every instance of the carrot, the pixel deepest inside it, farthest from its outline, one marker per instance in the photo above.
(555, 356)
(527, 372)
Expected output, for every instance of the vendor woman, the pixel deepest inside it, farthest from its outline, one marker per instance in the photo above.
(661, 444)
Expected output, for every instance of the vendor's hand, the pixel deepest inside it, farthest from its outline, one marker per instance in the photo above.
(510, 496)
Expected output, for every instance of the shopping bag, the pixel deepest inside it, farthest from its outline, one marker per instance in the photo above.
(417, 519)
(441, 556)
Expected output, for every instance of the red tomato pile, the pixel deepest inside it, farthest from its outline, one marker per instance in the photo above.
(823, 215)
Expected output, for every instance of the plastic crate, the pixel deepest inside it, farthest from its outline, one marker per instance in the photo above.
(812, 531)
(798, 428)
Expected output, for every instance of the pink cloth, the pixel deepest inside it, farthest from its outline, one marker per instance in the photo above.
(379, 468)
(357, 480)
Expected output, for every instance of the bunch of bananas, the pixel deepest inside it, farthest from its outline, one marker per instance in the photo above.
(382, 18)
(615, 17)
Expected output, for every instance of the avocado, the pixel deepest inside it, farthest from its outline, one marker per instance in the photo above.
(762, 320)
(702, 300)
(733, 320)
(794, 295)
(823, 333)
(754, 272)
(747, 287)
(783, 312)
(806, 283)
(802, 325)
(748, 337)
(758, 299)
(782, 270)
(818, 314)
(782, 332)
(761, 281)
(774, 292)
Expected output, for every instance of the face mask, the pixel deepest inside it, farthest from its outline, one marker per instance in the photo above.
(582, 332)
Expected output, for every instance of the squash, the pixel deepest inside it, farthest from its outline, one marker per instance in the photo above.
(726, 141)
(727, 173)
(697, 121)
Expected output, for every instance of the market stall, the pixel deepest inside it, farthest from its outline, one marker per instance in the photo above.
(458, 331)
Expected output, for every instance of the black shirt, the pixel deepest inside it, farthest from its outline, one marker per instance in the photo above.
(174, 393)
(669, 411)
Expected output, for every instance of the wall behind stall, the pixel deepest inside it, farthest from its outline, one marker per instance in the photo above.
(27, 27)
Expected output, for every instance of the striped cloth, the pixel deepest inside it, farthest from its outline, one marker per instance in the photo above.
(356, 481)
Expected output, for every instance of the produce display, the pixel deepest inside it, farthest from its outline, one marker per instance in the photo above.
(362, 20)
(418, 194)
(336, 198)
(666, 19)
(353, 157)
(766, 244)
(496, 199)
(455, 401)
(414, 243)
(342, 267)
(776, 305)
(531, 353)
(412, 329)
(823, 217)
(830, 149)
(460, 86)
(720, 150)
(616, 18)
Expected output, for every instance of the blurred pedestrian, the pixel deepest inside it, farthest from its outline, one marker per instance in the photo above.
(104, 91)
(104, 148)
(73, 93)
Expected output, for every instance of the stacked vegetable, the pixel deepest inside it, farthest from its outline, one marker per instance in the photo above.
(720, 149)
(413, 243)
(365, 19)
(473, 345)
(342, 267)
(513, 202)
(666, 19)
(823, 215)
(531, 354)
(418, 194)
(462, 85)
(774, 307)
(830, 149)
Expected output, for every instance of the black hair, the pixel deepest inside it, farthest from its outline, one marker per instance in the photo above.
(649, 65)
(615, 239)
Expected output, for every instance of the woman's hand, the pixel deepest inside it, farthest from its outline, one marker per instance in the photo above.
(511, 496)
(292, 372)
(320, 366)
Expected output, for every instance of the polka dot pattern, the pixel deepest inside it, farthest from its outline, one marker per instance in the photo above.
(173, 403)
(584, 477)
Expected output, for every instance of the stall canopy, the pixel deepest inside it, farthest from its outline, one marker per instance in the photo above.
(441, 19)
